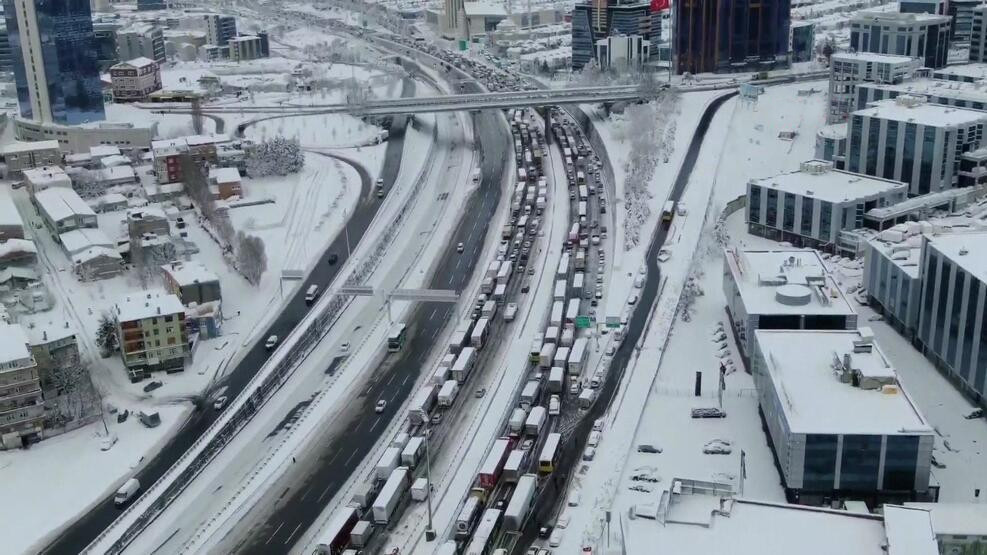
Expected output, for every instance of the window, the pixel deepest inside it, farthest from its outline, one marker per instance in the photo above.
(772, 208)
(954, 311)
(900, 460)
(825, 218)
(969, 328)
(928, 153)
(890, 147)
(939, 331)
(853, 152)
(861, 459)
(930, 277)
(788, 217)
(806, 223)
(754, 204)
(908, 154)
(873, 138)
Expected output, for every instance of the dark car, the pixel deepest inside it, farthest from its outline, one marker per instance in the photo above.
(332, 258)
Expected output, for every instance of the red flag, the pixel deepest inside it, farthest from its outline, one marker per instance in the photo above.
(659, 5)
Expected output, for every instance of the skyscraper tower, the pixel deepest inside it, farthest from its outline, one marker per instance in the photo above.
(731, 35)
(53, 51)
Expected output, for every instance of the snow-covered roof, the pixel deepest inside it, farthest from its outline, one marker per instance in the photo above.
(21, 147)
(198, 140)
(61, 203)
(188, 273)
(833, 131)
(928, 200)
(909, 531)
(101, 151)
(906, 255)
(962, 90)
(117, 173)
(147, 304)
(799, 364)
(956, 518)
(224, 175)
(78, 240)
(47, 176)
(114, 160)
(971, 71)
(897, 18)
(11, 246)
(818, 179)
(149, 212)
(138, 63)
(968, 250)
(113, 198)
(921, 113)
(697, 523)
(92, 253)
(13, 344)
(9, 216)
(786, 281)
(82, 158)
(872, 57)
(17, 272)
(47, 332)
(484, 8)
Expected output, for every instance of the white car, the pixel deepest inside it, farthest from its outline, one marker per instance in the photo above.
(459, 248)
(220, 402)
(574, 498)
(344, 347)
(108, 442)
(381, 405)
(271, 342)
(632, 300)
(589, 454)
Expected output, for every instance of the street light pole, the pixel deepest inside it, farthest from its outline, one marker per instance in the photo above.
(346, 231)
(429, 531)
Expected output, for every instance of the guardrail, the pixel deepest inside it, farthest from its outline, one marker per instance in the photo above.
(171, 484)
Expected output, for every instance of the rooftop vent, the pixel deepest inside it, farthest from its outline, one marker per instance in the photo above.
(964, 251)
(816, 167)
(910, 100)
(793, 294)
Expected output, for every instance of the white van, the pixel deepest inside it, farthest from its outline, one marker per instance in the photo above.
(312, 293)
(554, 406)
(127, 491)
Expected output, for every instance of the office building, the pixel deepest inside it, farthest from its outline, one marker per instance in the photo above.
(848, 70)
(781, 289)
(962, 23)
(960, 528)
(973, 169)
(811, 206)
(246, 47)
(952, 324)
(978, 35)
(219, 29)
(80, 138)
(151, 333)
(141, 40)
(134, 80)
(145, 5)
(598, 19)
(6, 57)
(731, 35)
(943, 93)
(831, 144)
(840, 421)
(620, 52)
(892, 278)
(803, 41)
(54, 54)
(916, 35)
(22, 409)
(105, 34)
(937, 7)
(907, 139)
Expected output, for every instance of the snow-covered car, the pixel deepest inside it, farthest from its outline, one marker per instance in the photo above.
(664, 255)
(271, 342)
(344, 347)
(611, 349)
(708, 412)
(574, 498)
(594, 438)
(648, 448)
(380, 406)
(108, 442)
(220, 402)
(718, 447)
(632, 299)
(598, 424)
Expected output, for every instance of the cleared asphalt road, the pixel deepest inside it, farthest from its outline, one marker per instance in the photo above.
(77, 536)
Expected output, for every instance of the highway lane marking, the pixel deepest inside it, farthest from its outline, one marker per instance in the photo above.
(432, 315)
(276, 530)
(325, 491)
(349, 458)
(304, 495)
(406, 378)
(375, 424)
(292, 533)
(389, 380)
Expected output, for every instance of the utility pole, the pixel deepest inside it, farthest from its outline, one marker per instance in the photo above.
(429, 531)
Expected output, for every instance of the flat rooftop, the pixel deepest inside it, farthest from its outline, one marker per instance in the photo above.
(147, 304)
(818, 179)
(909, 531)
(972, 71)
(189, 273)
(898, 18)
(906, 254)
(9, 216)
(786, 281)
(814, 400)
(13, 343)
(921, 113)
(956, 518)
(873, 57)
(967, 249)
(960, 90)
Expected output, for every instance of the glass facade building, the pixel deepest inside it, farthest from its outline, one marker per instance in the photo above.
(731, 35)
(60, 82)
(917, 35)
(598, 19)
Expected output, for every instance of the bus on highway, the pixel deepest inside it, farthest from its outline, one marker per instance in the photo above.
(549, 454)
(396, 337)
(337, 536)
(668, 211)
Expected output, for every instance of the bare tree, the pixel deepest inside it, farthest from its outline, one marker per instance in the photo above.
(106, 334)
(251, 257)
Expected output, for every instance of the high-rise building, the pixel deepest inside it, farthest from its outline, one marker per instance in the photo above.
(598, 19)
(962, 13)
(55, 60)
(141, 40)
(916, 35)
(731, 35)
(978, 35)
(220, 29)
(803, 41)
(937, 7)
(105, 33)
(452, 12)
(6, 59)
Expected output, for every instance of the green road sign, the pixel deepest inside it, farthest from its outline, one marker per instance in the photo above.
(582, 322)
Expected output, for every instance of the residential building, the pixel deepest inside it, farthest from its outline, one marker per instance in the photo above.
(246, 47)
(55, 350)
(831, 144)
(149, 219)
(11, 224)
(55, 65)
(168, 154)
(82, 239)
(781, 289)
(907, 139)
(20, 156)
(621, 52)
(213, 53)
(978, 34)
(141, 40)
(134, 80)
(225, 183)
(19, 253)
(596, 20)
(80, 138)
(105, 36)
(63, 210)
(961, 25)
(916, 35)
(937, 7)
(39, 179)
(848, 70)
(951, 323)
(22, 409)
(219, 29)
(97, 262)
(803, 41)
(192, 282)
(841, 423)
(960, 528)
(152, 334)
(811, 206)
(727, 35)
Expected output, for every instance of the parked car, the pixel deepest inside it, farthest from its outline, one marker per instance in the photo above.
(718, 447)
(648, 448)
(332, 258)
(108, 442)
(709, 412)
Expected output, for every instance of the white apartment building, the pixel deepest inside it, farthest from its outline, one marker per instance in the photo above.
(22, 409)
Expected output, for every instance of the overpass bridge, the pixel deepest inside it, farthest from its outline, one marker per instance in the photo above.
(432, 104)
